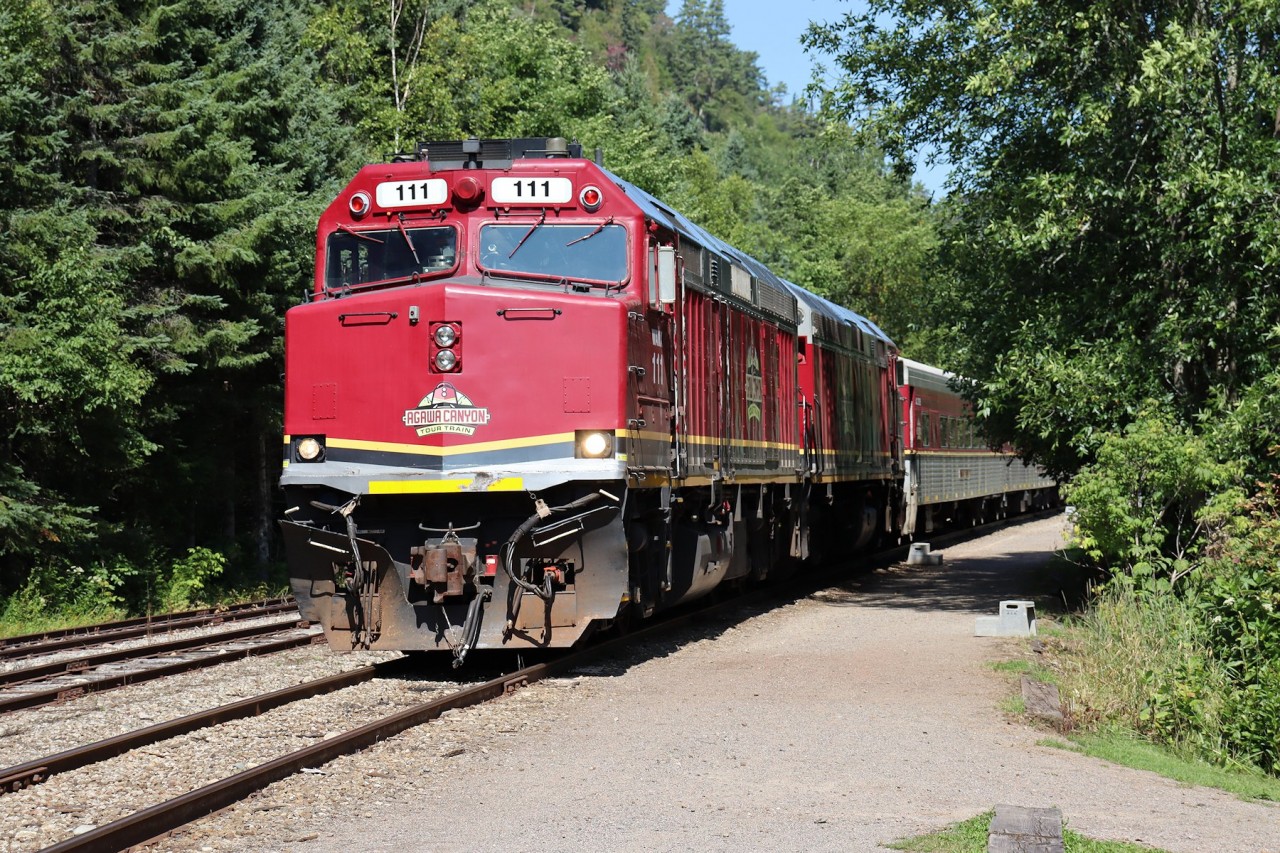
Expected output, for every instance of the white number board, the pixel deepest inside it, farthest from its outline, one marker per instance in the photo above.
(531, 190)
(411, 193)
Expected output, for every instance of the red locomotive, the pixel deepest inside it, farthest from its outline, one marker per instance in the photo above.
(527, 399)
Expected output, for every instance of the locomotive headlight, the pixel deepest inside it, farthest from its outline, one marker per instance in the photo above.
(310, 450)
(446, 360)
(446, 336)
(594, 445)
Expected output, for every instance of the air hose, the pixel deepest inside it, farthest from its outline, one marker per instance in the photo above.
(470, 628)
(545, 592)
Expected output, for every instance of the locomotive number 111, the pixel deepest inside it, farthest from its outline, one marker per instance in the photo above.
(426, 193)
(531, 190)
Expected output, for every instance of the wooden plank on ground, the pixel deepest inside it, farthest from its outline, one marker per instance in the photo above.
(1042, 700)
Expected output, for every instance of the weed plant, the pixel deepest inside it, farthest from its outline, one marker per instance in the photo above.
(1182, 644)
(1130, 650)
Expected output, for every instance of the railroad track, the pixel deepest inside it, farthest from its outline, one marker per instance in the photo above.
(156, 821)
(31, 645)
(59, 681)
(34, 772)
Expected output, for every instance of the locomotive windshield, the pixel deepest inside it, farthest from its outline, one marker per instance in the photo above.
(577, 252)
(358, 258)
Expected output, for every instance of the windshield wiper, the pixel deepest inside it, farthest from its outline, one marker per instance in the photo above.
(529, 233)
(359, 235)
(412, 248)
(599, 228)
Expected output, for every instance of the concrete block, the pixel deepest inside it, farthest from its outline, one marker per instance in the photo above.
(920, 555)
(1017, 829)
(1015, 619)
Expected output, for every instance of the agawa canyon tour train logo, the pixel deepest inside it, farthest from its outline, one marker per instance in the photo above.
(446, 409)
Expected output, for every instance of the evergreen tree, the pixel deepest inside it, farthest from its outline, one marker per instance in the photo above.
(165, 164)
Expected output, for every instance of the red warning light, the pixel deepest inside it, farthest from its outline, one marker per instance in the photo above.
(590, 198)
(467, 191)
(359, 204)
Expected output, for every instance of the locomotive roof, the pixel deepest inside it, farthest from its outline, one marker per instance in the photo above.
(824, 308)
(678, 222)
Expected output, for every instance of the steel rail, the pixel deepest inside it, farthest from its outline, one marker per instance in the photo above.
(70, 666)
(8, 644)
(13, 651)
(215, 657)
(160, 819)
(34, 772)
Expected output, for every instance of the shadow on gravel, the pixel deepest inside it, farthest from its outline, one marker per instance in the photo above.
(969, 585)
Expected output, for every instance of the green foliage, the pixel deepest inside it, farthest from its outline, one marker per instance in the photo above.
(1196, 671)
(1238, 594)
(162, 169)
(1113, 187)
(1141, 506)
(189, 577)
(58, 594)
(720, 83)
(1145, 662)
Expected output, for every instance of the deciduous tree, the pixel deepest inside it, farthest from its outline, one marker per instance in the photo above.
(1114, 215)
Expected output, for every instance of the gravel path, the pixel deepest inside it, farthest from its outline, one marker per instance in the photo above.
(857, 716)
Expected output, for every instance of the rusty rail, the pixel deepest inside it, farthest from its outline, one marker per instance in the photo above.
(87, 662)
(34, 772)
(28, 645)
(215, 657)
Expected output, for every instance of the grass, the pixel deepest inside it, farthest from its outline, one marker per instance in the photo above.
(1128, 749)
(1014, 704)
(970, 836)
(20, 625)
(19, 617)
(1123, 746)
(1031, 669)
